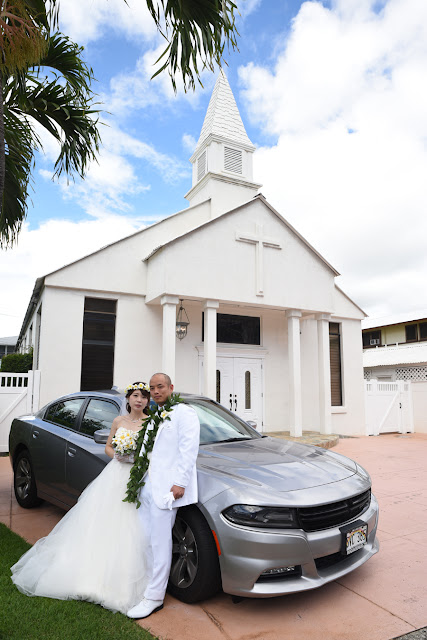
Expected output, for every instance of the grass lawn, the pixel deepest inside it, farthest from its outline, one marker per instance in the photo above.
(24, 618)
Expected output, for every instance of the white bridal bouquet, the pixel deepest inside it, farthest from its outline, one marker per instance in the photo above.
(124, 444)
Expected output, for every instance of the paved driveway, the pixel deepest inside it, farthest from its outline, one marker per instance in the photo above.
(385, 598)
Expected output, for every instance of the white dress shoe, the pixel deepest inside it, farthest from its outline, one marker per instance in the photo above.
(145, 608)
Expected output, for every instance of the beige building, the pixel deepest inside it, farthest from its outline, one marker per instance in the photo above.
(395, 349)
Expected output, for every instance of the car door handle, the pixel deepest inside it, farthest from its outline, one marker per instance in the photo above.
(71, 452)
(35, 434)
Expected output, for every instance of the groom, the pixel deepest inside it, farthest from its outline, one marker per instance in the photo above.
(172, 469)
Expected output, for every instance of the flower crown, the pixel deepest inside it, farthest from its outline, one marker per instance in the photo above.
(137, 387)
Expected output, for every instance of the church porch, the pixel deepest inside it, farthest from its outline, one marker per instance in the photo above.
(276, 378)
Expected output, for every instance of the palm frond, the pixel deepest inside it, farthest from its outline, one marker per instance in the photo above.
(18, 165)
(194, 30)
(65, 56)
(64, 105)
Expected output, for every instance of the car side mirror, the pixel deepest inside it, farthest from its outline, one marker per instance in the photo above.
(101, 436)
(251, 423)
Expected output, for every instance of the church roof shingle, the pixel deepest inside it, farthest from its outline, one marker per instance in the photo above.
(223, 117)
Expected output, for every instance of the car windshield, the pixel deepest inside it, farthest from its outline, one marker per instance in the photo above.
(218, 425)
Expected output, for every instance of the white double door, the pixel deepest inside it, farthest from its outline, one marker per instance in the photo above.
(239, 387)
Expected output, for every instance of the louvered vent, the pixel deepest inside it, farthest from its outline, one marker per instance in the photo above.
(201, 166)
(232, 160)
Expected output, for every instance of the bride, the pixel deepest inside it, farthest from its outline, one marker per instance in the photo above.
(96, 552)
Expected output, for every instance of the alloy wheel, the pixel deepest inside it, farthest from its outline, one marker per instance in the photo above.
(184, 555)
(23, 478)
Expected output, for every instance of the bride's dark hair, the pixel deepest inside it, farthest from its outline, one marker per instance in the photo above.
(146, 394)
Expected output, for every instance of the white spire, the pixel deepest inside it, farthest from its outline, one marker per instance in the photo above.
(222, 160)
(222, 117)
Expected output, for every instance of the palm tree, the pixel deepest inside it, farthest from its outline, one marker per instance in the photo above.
(197, 32)
(56, 95)
(23, 41)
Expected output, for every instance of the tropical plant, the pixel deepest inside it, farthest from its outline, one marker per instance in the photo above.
(197, 34)
(54, 96)
(17, 362)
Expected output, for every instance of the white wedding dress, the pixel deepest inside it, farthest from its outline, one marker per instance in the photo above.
(95, 553)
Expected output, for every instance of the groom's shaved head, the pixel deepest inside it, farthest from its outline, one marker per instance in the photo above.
(166, 378)
(161, 388)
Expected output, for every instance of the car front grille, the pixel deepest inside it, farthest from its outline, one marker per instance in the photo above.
(334, 513)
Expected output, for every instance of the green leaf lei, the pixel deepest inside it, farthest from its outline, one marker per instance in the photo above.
(140, 466)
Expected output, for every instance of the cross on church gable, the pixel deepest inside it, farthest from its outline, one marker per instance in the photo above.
(260, 241)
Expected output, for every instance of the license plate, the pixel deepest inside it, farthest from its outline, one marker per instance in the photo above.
(354, 537)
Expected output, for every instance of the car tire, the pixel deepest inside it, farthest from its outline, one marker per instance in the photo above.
(24, 482)
(195, 574)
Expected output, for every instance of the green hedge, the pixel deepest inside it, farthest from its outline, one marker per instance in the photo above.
(17, 362)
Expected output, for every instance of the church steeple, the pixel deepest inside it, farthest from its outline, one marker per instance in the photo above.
(222, 160)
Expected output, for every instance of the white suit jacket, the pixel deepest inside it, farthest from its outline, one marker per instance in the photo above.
(174, 455)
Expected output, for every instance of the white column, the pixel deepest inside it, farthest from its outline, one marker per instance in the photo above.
(169, 335)
(324, 371)
(294, 356)
(209, 360)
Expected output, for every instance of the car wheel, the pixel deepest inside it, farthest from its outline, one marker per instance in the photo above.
(195, 574)
(24, 482)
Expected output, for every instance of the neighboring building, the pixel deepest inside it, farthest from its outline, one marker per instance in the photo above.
(7, 345)
(270, 335)
(395, 348)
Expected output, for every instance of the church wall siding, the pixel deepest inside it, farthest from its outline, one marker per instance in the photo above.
(351, 421)
(120, 267)
(210, 263)
(136, 333)
(60, 343)
(276, 375)
(187, 356)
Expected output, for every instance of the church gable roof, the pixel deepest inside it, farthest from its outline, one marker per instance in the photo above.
(222, 117)
(260, 197)
(346, 307)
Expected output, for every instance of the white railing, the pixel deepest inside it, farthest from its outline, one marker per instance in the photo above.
(19, 394)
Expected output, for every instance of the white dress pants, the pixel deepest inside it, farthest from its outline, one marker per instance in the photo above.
(158, 523)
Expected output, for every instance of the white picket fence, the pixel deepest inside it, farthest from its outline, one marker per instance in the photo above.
(19, 395)
(388, 407)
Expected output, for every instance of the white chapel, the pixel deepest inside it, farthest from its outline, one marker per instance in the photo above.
(269, 335)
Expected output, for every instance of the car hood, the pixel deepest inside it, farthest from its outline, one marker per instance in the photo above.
(273, 464)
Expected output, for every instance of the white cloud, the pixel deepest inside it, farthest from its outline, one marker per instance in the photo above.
(246, 7)
(43, 250)
(113, 178)
(346, 102)
(135, 90)
(189, 142)
(87, 21)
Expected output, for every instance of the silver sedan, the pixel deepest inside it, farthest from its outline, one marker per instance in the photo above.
(273, 516)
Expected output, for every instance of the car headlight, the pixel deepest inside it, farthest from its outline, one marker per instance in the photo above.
(264, 517)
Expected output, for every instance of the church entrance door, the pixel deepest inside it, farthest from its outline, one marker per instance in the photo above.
(239, 387)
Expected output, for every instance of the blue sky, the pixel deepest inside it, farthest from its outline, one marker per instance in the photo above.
(331, 93)
(162, 126)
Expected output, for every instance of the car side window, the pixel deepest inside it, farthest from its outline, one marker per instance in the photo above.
(99, 414)
(64, 413)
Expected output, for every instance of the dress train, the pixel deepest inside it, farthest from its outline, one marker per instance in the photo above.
(95, 553)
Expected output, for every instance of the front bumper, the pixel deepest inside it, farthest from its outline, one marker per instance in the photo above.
(248, 552)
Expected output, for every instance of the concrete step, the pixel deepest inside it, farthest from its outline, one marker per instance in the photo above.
(325, 440)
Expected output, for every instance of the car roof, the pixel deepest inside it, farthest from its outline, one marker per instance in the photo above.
(113, 394)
